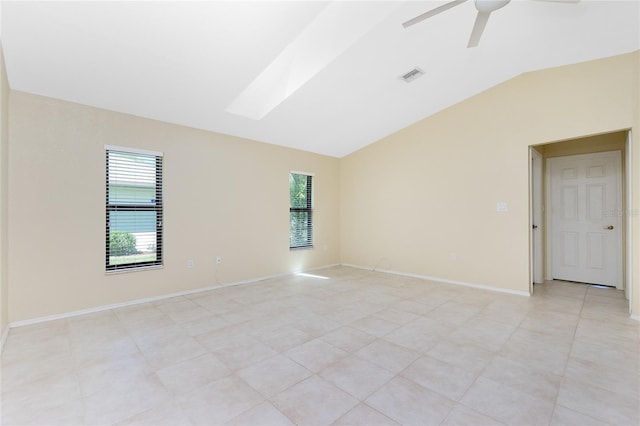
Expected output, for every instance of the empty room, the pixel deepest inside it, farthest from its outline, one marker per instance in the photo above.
(320, 213)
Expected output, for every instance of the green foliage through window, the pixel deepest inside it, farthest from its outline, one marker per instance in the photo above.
(121, 243)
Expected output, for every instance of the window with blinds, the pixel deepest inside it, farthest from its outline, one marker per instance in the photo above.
(300, 210)
(133, 209)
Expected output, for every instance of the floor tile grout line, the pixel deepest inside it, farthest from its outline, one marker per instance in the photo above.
(564, 370)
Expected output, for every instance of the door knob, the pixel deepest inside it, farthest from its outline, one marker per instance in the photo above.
(535, 226)
(610, 227)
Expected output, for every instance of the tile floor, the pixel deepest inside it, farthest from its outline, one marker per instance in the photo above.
(359, 348)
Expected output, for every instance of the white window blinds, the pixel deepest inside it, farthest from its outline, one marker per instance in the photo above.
(133, 208)
(300, 210)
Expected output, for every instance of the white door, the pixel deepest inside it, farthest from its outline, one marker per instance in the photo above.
(586, 220)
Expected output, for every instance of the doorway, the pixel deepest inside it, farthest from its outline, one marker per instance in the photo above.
(571, 196)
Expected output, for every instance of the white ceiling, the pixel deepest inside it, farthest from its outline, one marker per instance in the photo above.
(188, 62)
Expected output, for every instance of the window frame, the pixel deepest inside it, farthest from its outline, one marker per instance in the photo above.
(307, 209)
(157, 207)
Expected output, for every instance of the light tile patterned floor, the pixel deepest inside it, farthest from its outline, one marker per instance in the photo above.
(360, 348)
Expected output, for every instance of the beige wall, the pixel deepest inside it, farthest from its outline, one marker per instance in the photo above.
(4, 190)
(224, 196)
(614, 141)
(405, 203)
(412, 200)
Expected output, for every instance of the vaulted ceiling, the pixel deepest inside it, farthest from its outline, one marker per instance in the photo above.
(318, 76)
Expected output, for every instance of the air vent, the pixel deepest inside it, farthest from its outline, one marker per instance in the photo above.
(412, 75)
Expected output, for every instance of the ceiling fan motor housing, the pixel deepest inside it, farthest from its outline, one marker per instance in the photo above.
(488, 6)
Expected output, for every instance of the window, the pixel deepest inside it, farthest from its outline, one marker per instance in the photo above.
(300, 210)
(134, 209)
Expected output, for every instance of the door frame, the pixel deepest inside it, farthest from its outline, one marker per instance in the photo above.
(627, 184)
(620, 185)
(536, 206)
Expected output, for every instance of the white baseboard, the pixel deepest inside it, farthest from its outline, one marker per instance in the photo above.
(150, 299)
(442, 280)
(5, 332)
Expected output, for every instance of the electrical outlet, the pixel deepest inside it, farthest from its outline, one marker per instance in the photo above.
(453, 257)
(218, 260)
(190, 263)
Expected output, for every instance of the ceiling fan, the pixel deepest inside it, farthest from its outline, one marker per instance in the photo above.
(484, 7)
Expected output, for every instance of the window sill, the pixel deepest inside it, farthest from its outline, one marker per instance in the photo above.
(127, 270)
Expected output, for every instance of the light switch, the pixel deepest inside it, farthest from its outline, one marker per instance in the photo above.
(501, 206)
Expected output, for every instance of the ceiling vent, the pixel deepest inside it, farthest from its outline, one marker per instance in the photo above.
(412, 75)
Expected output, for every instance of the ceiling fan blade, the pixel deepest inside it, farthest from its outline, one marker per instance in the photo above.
(478, 28)
(432, 12)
